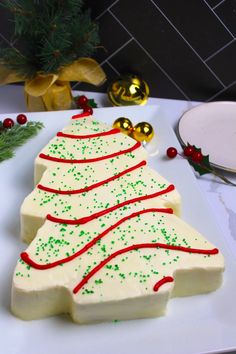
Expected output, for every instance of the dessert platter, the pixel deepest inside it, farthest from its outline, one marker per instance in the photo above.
(120, 244)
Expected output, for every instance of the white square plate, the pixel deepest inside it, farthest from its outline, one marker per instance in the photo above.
(197, 324)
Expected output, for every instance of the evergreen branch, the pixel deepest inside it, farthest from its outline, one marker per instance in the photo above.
(14, 60)
(15, 137)
(23, 12)
(49, 34)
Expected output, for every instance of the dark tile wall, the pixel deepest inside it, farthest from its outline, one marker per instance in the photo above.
(184, 49)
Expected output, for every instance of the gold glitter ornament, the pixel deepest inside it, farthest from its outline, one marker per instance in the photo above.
(124, 124)
(128, 90)
(143, 131)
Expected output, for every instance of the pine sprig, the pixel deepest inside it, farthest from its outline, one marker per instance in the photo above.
(15, 137)
(48, 35)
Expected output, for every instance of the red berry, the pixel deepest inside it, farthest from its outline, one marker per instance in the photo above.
(21, 119)
(88, 109)
(188, 150)
(171, 152)
(197, 156)
(8, 123)
(82, 101)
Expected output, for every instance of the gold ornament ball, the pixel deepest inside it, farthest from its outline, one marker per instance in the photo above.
(143, 131)
(124, 125)
(128, 90)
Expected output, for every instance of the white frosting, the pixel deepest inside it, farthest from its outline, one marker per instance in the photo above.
(124, 287)
(141, 181)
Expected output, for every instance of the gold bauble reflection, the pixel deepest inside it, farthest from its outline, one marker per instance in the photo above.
(143, 131)
(124, 125)
(128, 90)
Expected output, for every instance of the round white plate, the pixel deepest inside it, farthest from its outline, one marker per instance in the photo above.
(212, 127)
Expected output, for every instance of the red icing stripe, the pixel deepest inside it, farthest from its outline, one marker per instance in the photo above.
(26, 258)
(95, 185)
(88, 136)
(161, 282)
(29, 261)
(95, 159)
(81, 115)
(89, 218)
(135, 247)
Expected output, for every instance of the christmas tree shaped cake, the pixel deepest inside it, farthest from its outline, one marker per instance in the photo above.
(107, 240)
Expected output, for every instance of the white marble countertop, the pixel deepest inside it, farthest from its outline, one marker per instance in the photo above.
(221, 197)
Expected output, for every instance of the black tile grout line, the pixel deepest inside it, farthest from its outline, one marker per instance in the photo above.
(150, 56)
(116, 1)
(159, 66)
(219, 50)
(10, 43)
(109, 7)
(75, 85)
(107, 60)
(110, 56)
(4, 38)
(185, 40)
(221, 91)
(219, 19)
(113, 68)
(117, 50)
(221, 2)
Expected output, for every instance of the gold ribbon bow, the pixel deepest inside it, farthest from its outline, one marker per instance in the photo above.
(52, 91)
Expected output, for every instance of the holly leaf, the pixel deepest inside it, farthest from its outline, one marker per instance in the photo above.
(92, 103)
(204, 166)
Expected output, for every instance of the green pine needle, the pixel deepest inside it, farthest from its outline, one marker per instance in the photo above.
(48, 34)
(15, 137)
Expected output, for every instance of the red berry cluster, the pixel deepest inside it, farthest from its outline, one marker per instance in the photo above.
(189, 151)
(82, 102)
(8, 122)
(199, 162)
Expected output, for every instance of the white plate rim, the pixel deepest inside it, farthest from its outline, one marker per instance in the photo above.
(221, 167)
